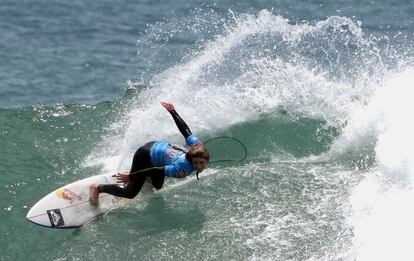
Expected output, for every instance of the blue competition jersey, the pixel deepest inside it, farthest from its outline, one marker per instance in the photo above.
(176, 165)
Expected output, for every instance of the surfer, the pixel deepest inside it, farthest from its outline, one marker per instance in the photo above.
(155, 160)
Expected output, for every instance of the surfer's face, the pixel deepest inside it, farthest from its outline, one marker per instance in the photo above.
(199, 163)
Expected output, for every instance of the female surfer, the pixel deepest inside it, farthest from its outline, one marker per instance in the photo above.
(156, 160)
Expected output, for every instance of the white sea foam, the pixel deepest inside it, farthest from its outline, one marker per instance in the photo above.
(383, 210)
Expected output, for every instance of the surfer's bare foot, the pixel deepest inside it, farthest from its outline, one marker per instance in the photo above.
(93, 195)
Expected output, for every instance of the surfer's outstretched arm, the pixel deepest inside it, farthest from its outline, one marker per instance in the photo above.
(182, 126)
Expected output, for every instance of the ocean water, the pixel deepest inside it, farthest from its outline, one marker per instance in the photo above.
(319, 92)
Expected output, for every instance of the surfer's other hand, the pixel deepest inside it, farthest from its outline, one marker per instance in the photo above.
(122, 178)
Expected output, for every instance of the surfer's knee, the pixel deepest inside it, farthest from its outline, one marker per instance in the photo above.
(157, 183)
(131, 195)
(157, 186)
(130, 192)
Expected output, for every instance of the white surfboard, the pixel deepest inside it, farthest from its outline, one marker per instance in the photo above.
(68, 206)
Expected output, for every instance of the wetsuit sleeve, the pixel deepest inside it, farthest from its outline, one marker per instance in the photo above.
(182, 126)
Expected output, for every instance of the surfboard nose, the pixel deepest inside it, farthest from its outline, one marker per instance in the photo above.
(35, 217)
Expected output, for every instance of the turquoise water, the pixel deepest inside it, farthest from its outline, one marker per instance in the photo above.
(319, 93)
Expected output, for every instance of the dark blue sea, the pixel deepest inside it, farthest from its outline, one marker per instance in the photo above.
(319, 92)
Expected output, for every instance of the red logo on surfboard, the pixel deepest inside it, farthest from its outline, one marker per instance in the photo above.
(67, 194)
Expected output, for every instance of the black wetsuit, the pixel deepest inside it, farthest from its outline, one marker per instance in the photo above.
(142, 168)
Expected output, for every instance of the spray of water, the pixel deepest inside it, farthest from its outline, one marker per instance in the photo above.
(382, 203)
(255, 65)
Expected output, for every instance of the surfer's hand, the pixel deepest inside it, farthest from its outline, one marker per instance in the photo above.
(168, 106)
(122, 178)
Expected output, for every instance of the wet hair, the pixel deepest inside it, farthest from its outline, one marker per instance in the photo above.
(197, 151)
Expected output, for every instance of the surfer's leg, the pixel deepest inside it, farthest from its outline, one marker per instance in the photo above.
(157, 180)
(141, 160)
(130, 190)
